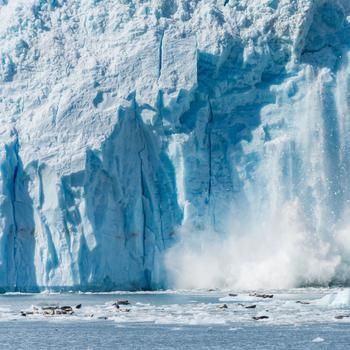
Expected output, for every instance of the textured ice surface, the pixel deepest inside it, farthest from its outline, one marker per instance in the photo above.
(183, 308)
(122, 121)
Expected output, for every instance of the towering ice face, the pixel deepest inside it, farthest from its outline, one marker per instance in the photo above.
(130, 129)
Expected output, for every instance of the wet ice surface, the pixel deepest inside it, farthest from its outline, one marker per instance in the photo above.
(298, 319)
(187, 308)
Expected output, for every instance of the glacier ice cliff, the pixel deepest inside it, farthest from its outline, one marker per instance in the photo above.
(132, 127)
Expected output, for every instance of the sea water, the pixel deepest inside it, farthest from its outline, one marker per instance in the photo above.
(297, 319)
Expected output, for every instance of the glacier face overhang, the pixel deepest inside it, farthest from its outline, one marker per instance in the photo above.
(123, 120)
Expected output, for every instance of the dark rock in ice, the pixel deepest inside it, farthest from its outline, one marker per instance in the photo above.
(224, 306)
(78, 306)
(340, 317)
(257, 318)
(302, 302)
(26, 313)
(49, 308)
(264, 296)
(66, 309)
(248, 306)
(232, 295)
(123, 302)
(55, 310)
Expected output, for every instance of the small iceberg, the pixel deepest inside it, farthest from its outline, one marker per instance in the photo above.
(338, 299)
(318, 340)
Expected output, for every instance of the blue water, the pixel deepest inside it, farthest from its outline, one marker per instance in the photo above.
(108, 335)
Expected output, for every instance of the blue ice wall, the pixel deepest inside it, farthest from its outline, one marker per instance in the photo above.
(125, 123)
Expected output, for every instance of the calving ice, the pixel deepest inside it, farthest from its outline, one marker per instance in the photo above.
(194, 144)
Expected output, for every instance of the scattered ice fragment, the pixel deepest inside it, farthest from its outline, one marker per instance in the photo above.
(338, 299)
(257, 318)
(318, 340)
(302, 302)
(238, 298)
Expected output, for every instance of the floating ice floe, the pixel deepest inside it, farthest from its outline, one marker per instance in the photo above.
(336, 299)
(318, 340)
(286, 307)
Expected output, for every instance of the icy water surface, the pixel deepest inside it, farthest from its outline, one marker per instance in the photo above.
(296, 319)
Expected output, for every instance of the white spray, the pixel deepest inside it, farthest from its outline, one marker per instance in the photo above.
(295, 226)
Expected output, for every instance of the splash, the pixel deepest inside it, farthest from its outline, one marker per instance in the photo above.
(292, 228)
(275, 254)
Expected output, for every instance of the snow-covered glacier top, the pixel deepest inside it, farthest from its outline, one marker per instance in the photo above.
(79, 60)
(125, 123)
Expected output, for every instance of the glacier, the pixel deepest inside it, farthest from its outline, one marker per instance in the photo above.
(194, 143)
